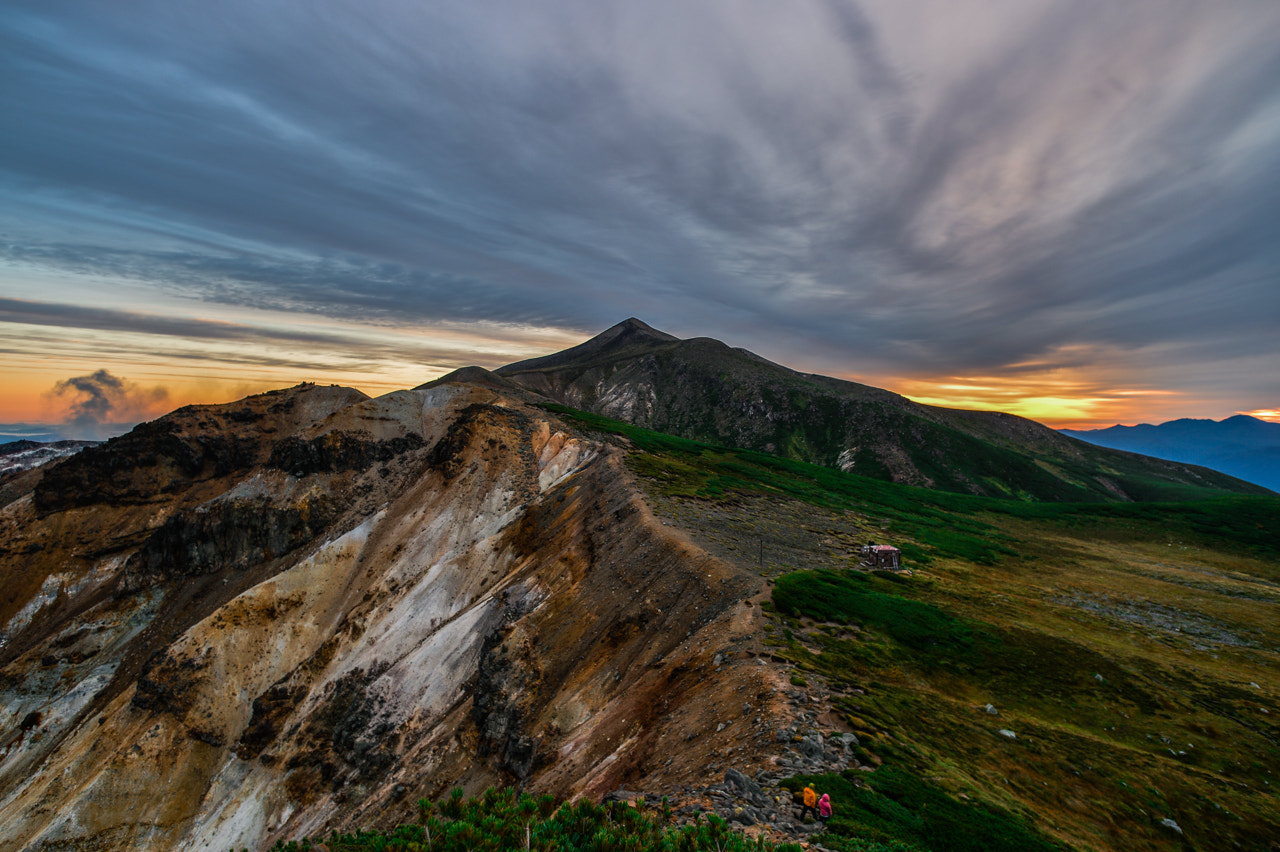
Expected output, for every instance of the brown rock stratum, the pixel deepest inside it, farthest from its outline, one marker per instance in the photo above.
(307, 609)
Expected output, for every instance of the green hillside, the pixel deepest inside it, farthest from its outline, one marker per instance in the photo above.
(1128, 652)
(703, 390)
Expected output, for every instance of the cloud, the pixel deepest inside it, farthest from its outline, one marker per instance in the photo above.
(100, 405)
(946, 186)
(289, 348)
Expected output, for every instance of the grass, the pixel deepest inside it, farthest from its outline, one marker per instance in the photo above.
(937, 523)
(1130, 647)
(1107, 744)
(896, 808)
(856, 598)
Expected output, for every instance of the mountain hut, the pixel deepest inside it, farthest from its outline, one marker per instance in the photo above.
(883, 556)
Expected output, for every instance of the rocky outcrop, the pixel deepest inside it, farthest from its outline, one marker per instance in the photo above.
(297, 611)
(506, 678)
(194, 445)
(144, 466)
(337, 451)
(228, 535)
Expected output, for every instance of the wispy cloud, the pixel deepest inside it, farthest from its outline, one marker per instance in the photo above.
(945, 187)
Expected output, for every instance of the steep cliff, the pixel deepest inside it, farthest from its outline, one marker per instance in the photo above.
(296, 612)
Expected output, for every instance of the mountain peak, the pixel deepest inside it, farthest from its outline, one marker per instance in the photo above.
(634, 327)
(630, 331)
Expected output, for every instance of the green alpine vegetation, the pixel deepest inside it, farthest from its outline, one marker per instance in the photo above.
(895, 809)
(500, 821)
(1078, 675)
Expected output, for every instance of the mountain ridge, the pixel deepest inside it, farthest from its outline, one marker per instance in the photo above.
(702, 389)
(268, 606)
(1241, 446)
(305, 610)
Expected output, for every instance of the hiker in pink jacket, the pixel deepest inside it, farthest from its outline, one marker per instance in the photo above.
(824, 807)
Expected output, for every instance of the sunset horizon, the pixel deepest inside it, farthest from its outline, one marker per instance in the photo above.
(1061, 211)
(108, 400)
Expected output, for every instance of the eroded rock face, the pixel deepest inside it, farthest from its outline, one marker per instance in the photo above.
(337, 451)
(507, 680)
(296, 612)
(228, 534)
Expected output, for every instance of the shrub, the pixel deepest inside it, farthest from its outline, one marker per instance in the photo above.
(499, 821)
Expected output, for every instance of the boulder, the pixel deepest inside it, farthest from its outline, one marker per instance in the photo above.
(812, 747)
(744, 787)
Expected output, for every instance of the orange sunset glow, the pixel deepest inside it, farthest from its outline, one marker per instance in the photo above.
(379, 360)
(153, 373)
(1020, 206)
(1062, 403)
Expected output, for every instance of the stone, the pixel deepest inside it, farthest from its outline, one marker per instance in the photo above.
(812, 747)
(1171, 825)
(744, 787)
(991, 710)
(1005, 732)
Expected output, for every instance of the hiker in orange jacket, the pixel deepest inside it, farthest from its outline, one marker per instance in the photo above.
(824, 807)
(810, 800)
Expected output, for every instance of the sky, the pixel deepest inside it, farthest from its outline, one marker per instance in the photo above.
(1065, 209)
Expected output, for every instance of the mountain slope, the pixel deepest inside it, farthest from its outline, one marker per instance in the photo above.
(1107, 672)
(303, 611)
(242, 622)
(1241, 446)
(704, 390)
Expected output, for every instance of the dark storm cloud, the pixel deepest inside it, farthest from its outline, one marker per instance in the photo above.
(927, 183)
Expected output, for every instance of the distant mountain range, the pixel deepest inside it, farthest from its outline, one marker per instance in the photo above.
(1241, 446)
(16, 456)
(705, 390)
